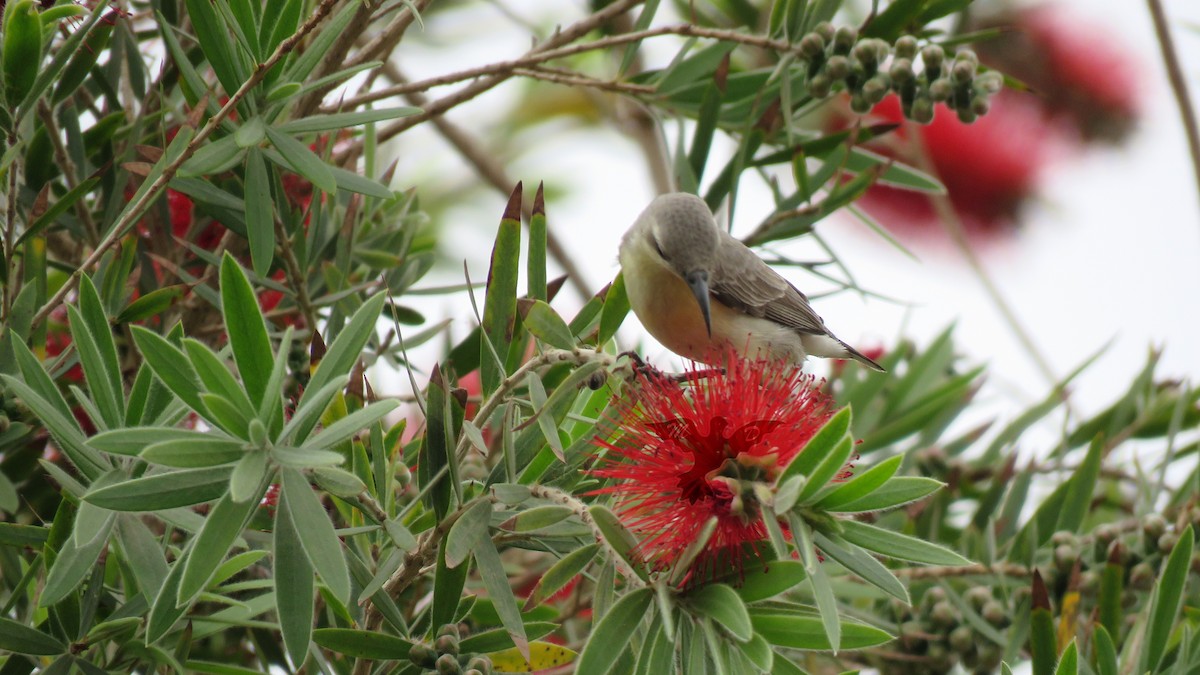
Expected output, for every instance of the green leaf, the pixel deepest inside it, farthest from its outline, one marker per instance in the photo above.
(72, 565)
(447, 590)
(133, 440)
(614, 311)
(861, 485)
(804, 630)
(363, 644)
(495, 580)
(65, 430)
(466, 531)
(537, 518)
(339, 121)
(260, 216)
(342, 355)
(152, 304)
(818, 447)
(862, 564)
(60, 206)
(1068, 664)
(247, 475)
(246, 328)
(317, 536)
(215, 376)
(899, 490)
(171, 366)
(536, 258)
(436, 462)
(1105, 652)
(500, 300)
(833, 464)
(560, 574)
(768, 581)
(546, 325)
(293, 587)
(618, 537)
(214, 38)
(213, 158)
(1166, 602)
(722, 604)
(1083, 484)
(21, 639)
(221, 528)
(302, 160)
(350, 425)
(164, 490)
(609, 637)
(898, 546)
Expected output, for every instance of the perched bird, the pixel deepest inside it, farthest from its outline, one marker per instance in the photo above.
(695, 288)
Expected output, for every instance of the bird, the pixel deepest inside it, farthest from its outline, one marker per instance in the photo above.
(699, 291)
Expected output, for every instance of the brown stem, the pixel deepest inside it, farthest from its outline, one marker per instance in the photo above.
(136, 209)
(1178, 84)
(68, 169)
(295, 275)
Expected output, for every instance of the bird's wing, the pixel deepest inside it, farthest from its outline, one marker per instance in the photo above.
(744, 282)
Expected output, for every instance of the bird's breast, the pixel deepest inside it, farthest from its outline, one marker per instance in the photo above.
(663, 301)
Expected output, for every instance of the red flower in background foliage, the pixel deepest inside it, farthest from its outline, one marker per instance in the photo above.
(1077, 72)
(990, 167)
(685, 453)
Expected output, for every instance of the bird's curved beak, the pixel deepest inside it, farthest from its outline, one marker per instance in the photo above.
(698, 282)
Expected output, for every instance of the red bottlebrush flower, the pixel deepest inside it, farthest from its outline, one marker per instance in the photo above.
(270, 500)
(1079, 73)
(688, 452)
(990, 167)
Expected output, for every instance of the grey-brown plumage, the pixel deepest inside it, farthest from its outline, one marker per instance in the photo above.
(694, 287)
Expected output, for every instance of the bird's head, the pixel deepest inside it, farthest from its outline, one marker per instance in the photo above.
(683, 231)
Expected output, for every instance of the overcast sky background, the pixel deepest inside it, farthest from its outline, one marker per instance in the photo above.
(1110, 251)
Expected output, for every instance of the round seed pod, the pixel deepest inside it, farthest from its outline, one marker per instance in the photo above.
(820, 85)
(844, 39)
(902, 71)
(825, 30)
(941, 90)
(837, 67)
(906, 47)
(447, 665)
(812, 45)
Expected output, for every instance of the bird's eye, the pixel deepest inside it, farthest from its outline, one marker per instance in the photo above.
(660, 251)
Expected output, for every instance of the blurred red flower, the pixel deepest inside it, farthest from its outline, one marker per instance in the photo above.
(687, 452)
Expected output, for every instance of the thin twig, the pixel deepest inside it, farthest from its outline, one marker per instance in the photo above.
(295, 274)
(493, 172)
(68, 169)
(135, 210)
(1178, 85)
(574, 79)
(1004, 569)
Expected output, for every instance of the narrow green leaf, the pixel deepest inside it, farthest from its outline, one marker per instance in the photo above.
(1042, 648)
(466, 531)
(247, 476)
(350, 425)
(1068, 664)
(768, 581)
(861, 485)
(614, 311)
(65, 430)
(833, 464)
(218, 48)
(363, 644)
(194, 452)
(618, 537)
(293, 587)
(500, 299)
(215, 375)
(447, 589)
(546, 325)
(722, 604)
(246, 328)
(805, 631)
(1167, 601)
(260, 216)
(221, 528)
(151, 304)
(133, 440)
(21, 639)
(898, 491)
(536, 257)
(1083, 484)
(171, 366)
(302, 160)
(59, 207)
(609, 637)
(164, 490)
(898, 546)
(72, 566)
(316, 532)
(819, 446)
(212, 158)
(862, 564)
(560, 574)
(495, 580)
(345, 120)
(1105, 652)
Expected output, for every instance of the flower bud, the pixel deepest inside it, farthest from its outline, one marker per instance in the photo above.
(876, 88)
(825, 30)
(922, 110)
(980, 105)
(941, 90)
(1154, 526)
(447, 665)
(403, 474)
(1065, 556)
(844, 39)
(1141, 577)
(446, 644)
(812, 46)
(906, 47)
(933, 57)
(837, 67)
(943, 615)
(820, 85)
(978, 596)
(1166, 543)
(989, 82)
(994, 613)
(962, 639)
(962, 72)
(422, 655)
(859, 104)
(966, 115)
(865, 52)
(480, 663)
(22, 50)
(902, 71)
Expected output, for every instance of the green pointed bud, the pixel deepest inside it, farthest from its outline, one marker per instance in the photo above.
(966, 115)
(922, 110)
(421, 655)
(837, 67)
(825, 30)
(859, 104)
(980, 105)
(844, 39)
(258, 434)
(812, 46)
(906, 47)
(941, 90)
(876, 88)
(446, 644)
(820, 85)
(902, 71)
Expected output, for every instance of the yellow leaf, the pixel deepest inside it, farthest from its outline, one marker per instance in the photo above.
(1068, 619)
(542, 655)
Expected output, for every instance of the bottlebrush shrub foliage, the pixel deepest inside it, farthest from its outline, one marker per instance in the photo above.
(201, 258)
